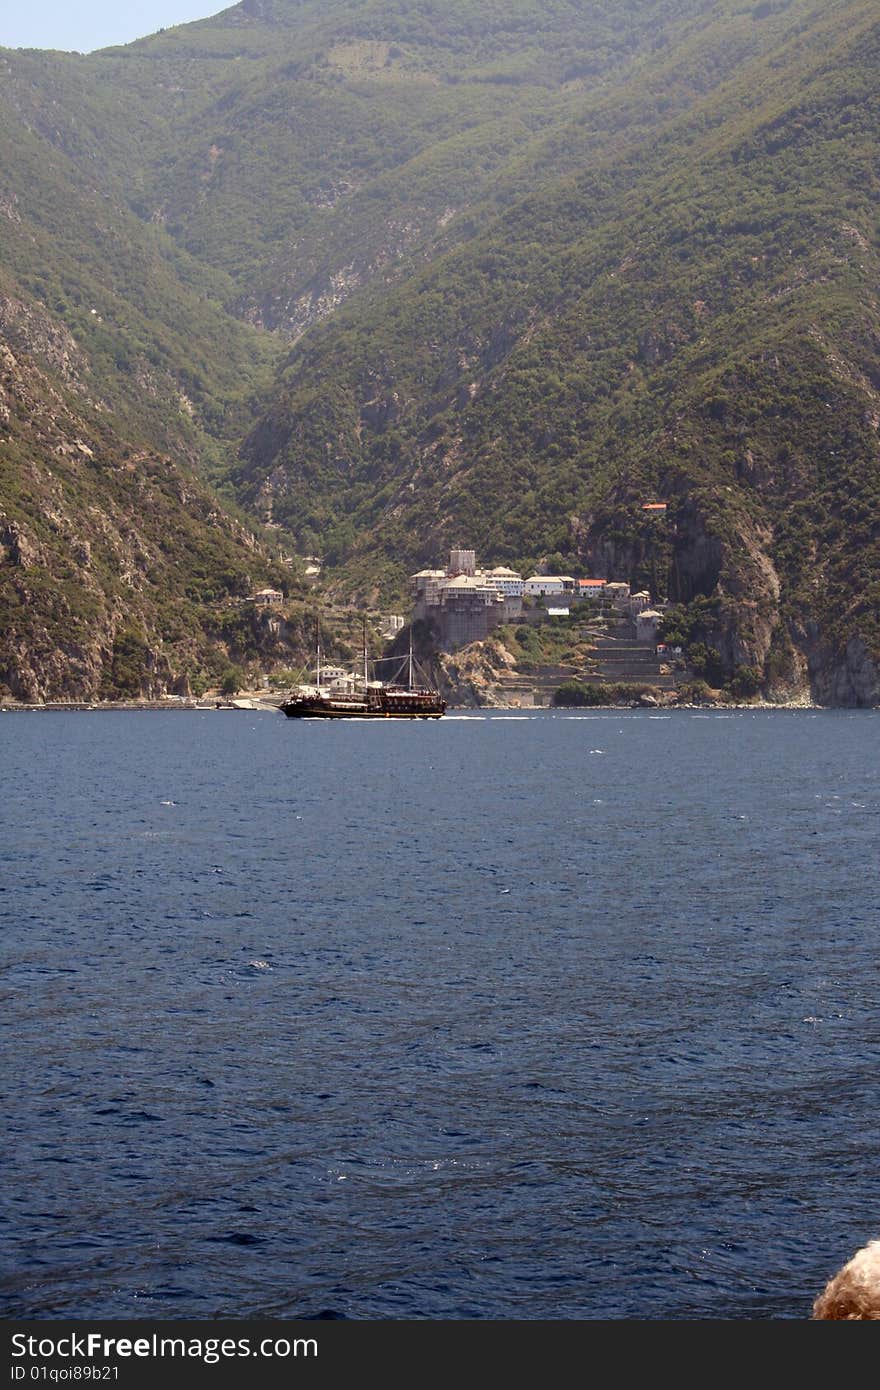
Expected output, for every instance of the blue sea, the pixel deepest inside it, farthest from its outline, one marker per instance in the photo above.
(505, 1016)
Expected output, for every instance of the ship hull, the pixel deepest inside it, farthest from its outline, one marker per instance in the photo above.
(357, 714)
(383, 705)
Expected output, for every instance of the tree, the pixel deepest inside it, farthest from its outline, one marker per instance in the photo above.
(232, 680)
(746, 681)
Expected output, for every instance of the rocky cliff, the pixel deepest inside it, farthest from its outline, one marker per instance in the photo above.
(116, 563)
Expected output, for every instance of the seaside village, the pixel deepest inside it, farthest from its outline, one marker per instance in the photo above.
(614, 629)
(465, 603)
(611, 641)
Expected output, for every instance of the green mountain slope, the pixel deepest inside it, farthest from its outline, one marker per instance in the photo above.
(540, 261)
(118, 570)
(122, 375)
(308, 149)
(693, 320)
(123, 378)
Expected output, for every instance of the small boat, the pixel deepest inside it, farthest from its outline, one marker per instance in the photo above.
(339, 694)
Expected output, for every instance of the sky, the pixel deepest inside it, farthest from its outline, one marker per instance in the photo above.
(87, 24)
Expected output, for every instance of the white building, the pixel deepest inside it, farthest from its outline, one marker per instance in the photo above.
(466, 602)
(507, 581)
(549, 584)
(591, 588)
(392, 624)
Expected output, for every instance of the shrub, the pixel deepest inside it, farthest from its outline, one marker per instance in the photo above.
(746, 681)
(232, 680)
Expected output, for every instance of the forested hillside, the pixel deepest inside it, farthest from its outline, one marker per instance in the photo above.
(691, 319)
(518, 268)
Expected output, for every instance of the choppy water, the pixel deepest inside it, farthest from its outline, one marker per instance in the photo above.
(510, 1017)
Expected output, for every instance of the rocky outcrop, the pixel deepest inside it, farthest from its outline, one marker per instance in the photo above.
(702, 548)
(848, 678)
(469, 677)
(16, 548)
(36, 666)
(28, 328)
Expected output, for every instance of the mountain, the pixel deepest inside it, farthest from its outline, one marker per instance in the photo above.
(118, 568)
(380, 277)
(124, 382)
(692, 319)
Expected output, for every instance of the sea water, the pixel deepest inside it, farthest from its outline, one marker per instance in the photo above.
(507, 1015)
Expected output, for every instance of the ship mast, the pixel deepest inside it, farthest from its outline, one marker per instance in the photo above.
(317, 651)
(409, 680)
(366, 671)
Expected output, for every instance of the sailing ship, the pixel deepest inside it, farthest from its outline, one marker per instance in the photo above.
(340, 694)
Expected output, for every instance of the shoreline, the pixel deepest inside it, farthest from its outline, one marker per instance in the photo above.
(157, 706)
(255, 704)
